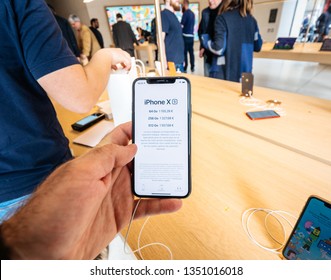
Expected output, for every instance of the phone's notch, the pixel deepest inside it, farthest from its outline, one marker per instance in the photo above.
(161, 81)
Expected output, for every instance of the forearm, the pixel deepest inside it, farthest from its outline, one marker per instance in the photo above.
(217, 47)
(7, 246)
(5, 251)
(78, 88)
(28, 234)
(19, 241)
(73, 87)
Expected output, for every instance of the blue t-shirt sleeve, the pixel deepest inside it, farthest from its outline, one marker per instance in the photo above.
(165, 22)
(43, 45)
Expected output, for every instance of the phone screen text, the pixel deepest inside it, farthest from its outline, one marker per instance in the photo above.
(161, 132)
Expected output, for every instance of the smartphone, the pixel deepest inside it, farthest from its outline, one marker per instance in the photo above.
(88, 121)
(247, 82)
(161, 115)
(259, 115)
(311, 236)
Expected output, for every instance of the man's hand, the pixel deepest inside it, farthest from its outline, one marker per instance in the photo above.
(82, 205)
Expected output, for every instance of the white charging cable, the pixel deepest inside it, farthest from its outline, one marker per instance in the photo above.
(251, 101)
(139, 248)
(246, 219)
(141, 67)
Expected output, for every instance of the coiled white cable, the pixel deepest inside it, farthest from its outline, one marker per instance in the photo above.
(246, 218)
(251, 101)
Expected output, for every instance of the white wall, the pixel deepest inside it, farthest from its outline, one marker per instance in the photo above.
(66, 7)
(289, 11)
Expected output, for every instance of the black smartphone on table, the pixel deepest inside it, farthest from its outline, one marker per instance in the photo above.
(88, 121)
(311, 236)
(265, 114)
(161, 115)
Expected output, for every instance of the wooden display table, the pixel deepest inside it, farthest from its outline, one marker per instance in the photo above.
(238, 164)
(301, 52)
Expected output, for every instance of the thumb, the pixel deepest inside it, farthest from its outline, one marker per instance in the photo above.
(104, 159)
(123, 154)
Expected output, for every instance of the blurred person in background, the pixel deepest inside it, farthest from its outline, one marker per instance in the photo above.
(143, 35)
(87, 42)
(323, 25)
(67, 32)
(94, 28)
(187, 22)
(123, 35)
(236, 38)
(172, 34)
(207, 26)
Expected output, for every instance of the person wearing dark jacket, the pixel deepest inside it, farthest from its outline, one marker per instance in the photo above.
(323, 25)
(94, 28)
(123, 35)
(236, 38)
(207, 26)
(67, 32)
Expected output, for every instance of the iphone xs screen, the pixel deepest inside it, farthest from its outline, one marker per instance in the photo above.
(161, 130)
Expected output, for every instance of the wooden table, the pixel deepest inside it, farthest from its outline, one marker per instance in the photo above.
(232, 171)
(305, 129)
(238, 164)
(150, 49)
(301, 52)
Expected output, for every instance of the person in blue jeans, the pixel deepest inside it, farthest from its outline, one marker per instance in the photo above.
(36, 65)
(187, 22)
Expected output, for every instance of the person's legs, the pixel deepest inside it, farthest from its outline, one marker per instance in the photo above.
(190, 47)
(186, 50)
